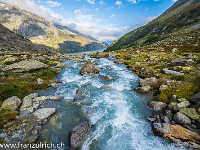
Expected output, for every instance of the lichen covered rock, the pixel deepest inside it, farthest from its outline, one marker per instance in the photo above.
(25, 66)
(190, 112)
(182, 119)
(11, 103)
(89, 68)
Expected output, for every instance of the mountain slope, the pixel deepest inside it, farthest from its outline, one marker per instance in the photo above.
(40, 31)
(177, 27)
(11, 42)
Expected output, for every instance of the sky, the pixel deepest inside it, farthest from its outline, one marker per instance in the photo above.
(105, 20)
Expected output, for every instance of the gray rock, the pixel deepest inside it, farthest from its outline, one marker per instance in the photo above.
(79, 98)
(168, 114)
(25, 65)
(89, 68)
(183, 104)
(10, 60)
(27, 102)
(182, 119)
(11, 103)
(78, 135)
(173, 106)
(181, 62)
(166, 120)
(167, 71)
(55, 98)
(149, 82)
(55, 85)
(41, 98)
(79, 91)
(151, 119)
(143, 89)
(157, 106)
(44, 113)
(60, 65)
(196, 99)
(106, 77)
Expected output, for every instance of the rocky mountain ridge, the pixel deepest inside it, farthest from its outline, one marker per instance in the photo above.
(11, 42)
(40, 31)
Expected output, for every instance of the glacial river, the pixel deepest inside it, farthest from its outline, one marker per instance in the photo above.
(117, 113)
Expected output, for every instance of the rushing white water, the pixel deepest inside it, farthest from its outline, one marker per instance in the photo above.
(118, 117)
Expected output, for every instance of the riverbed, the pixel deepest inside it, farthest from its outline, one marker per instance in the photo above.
(117, 114)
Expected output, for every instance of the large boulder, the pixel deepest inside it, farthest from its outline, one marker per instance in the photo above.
(11, 103)
(78, 135)
(190, 112)
(177, 134)
(44, 113)
(196, 99)
(25, 66)
(157, 106)
(149, 82)
(183, 104)
(89, 68)
(182, 119)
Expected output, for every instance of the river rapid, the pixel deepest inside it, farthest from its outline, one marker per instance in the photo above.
(117, 114)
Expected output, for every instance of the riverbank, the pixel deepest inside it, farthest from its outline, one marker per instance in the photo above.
(173, 78)
(99, 93)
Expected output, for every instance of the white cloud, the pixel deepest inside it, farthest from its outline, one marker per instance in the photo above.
(112, 16)
(174, 0)
(118, 2)
(53, 3)
(101, 2)
(91, 1)
(97, 9)
(148, 19)
(77, 11)
(108, 9)
(134, 1)
(85, 24)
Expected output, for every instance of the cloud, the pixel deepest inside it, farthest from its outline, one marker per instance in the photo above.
(174, 0)
(134, 1)
(118, 2)
(148, 19)
(91, 1)
(112, 16)
(53, 3)
(101, 2)
(77, 11)
(97, 9)
(85, 24)
(146, 9)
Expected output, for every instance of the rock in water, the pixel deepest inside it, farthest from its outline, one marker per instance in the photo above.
(143, 89)
(78, 134)
(11, 103)
(44, 113)
(89, 68)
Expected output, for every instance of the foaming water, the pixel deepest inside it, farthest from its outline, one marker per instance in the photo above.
(118, 116)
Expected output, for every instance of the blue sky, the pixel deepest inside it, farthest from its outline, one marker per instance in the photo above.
(105, 20)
